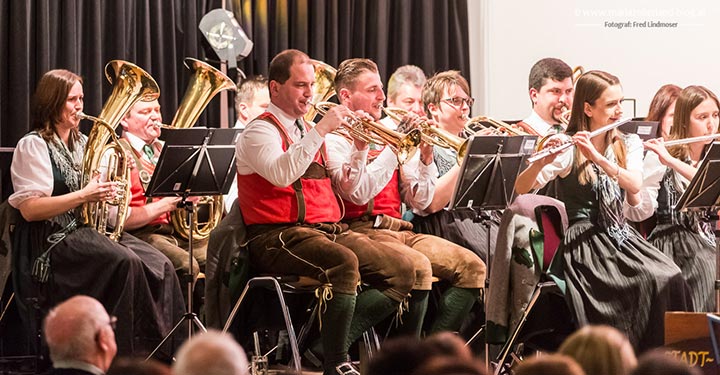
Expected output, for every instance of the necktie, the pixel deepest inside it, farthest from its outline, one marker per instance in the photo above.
(300, 126)
(558, 129)
(150, 153)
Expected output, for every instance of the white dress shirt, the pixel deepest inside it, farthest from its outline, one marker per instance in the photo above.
(31, 170)
(357, 181)
(537, 123)
(259, 150)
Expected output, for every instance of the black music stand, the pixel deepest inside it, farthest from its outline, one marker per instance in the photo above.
(193, 162)
(703, 195)
(487, 179)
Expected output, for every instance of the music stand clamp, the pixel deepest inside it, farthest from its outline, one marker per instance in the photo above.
(193, 162)
(703, 195)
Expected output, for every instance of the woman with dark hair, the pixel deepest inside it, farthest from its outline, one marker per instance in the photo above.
(662, 108)
(613, 276)
(682, 236)
(131, 279)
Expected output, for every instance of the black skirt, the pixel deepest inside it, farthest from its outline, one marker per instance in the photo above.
(132, 280)
(629, 287)
(694, 256)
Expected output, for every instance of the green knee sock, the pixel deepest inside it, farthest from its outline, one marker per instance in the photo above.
(335, 327)
(455, 304)
(412, 320)
(371, 308)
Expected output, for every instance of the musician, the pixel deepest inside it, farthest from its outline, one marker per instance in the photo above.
(662, 108)
(130, 278)
(447, 99)
(551, 92)
(149, 218)
(613, 276)
(372, 195)
(292, 215)
(682, 236)
(405, 92)
(251, 100)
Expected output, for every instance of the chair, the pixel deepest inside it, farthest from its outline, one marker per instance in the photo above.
(521, 283)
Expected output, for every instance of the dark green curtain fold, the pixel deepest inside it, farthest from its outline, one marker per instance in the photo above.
(83, 35)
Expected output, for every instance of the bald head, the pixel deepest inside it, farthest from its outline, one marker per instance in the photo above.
(79, 329)
(211, 353)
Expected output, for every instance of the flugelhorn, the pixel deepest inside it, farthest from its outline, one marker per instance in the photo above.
(205, 83)
(404, 145)
(130, 84)
(478, 123)
(547, 151)
(433, 135)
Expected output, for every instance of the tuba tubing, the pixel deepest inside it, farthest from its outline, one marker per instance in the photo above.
(130, 84)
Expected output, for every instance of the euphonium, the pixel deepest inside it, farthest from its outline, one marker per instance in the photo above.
(433, 135)
(205, 83)
(324, 87)
(130, 85)
(404, 145)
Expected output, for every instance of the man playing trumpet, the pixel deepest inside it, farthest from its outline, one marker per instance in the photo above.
(373, 192)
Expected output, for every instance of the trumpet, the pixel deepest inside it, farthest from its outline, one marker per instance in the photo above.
(478, 123)
(433, 135)
(564, 146)
(404, 145)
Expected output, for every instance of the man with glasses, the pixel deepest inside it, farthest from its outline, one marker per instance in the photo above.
(81, 338)
(550, 87)
(373, 192)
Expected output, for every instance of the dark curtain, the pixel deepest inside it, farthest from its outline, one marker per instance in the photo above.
(83, 35)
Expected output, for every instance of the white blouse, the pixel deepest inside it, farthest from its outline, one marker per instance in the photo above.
(654, 171)
(31, 170)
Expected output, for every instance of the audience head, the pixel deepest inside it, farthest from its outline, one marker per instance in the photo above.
(552, 364)
(58, 96)
(80, 329)
(211, 353)
(662, 108)
(449, 365)
(657, 362)
(600, 350)
(251, 99)
(138, 366)
(408, 355)
(447, 100)
(358, 86)
(290, 78)
(143, 120)
(551, 89)
(405, 89)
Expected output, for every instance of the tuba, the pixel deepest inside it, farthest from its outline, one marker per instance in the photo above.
(432, 135)
(404, 145)
(324, 87)
(205, 83)
(130, 85)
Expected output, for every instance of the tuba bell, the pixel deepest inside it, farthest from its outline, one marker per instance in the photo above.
(324, 87)
(130, 84)
(205, 83)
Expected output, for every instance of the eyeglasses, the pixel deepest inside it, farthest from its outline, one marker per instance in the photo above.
(458, 101)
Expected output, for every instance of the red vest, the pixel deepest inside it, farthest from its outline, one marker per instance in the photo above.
(136, 186)
(264, 203)
(386, 202)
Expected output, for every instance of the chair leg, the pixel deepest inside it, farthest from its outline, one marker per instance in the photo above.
(271, 282)
(510, 343)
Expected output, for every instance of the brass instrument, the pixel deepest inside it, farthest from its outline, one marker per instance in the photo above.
(433, 135)
(324, 87)
(577, 72)
(478, 123)
(205, 83)
(541, 153)
(404, 145)
(130, 84)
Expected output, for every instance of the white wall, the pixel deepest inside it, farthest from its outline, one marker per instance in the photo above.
(508, 36)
